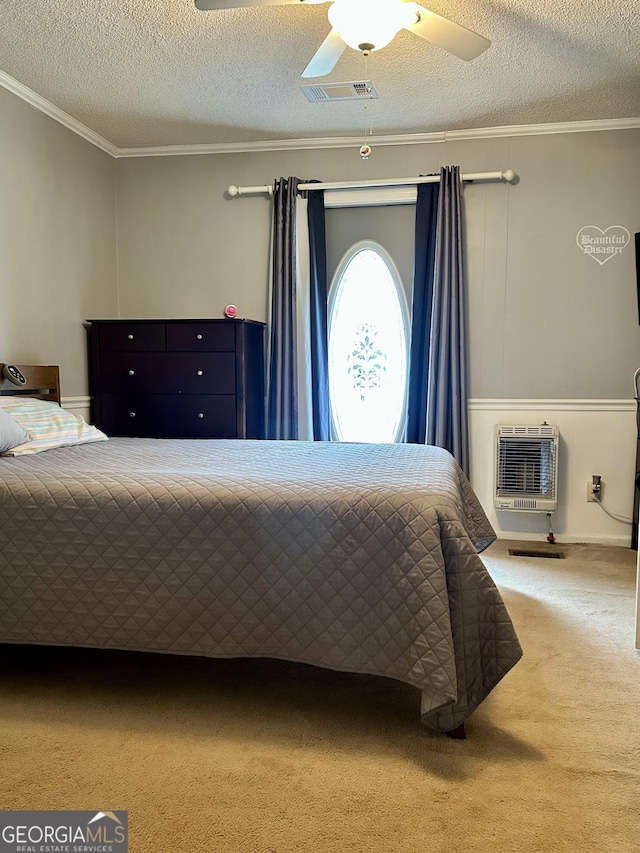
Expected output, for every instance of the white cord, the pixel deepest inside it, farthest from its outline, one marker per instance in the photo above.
(612, 514)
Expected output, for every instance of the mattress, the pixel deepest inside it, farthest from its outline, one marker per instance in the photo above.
(354, 557)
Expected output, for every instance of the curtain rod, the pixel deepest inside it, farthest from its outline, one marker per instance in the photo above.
(508, 176)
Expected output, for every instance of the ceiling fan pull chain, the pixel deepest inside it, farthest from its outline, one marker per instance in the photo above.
(365, 148)
(369, 79)
(366, 77)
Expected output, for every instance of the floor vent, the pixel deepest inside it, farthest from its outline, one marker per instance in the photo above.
(317, 93)
(548, 555)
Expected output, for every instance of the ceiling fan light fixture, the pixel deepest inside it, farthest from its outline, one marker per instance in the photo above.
(370, 24)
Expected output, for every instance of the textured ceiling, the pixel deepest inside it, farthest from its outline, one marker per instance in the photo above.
(158, 72)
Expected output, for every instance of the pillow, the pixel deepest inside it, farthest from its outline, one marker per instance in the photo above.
(11, 433)
(47, 425)
(8, 400)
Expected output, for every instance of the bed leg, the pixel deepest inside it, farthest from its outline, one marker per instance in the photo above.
(458, 733)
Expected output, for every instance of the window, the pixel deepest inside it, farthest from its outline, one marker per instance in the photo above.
(368, 347)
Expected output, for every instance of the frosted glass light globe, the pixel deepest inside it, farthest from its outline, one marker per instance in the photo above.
(369, 24)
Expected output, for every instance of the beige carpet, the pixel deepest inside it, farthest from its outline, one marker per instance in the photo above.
(267, 757)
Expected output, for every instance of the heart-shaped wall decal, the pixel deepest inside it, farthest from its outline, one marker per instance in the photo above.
(602, 245)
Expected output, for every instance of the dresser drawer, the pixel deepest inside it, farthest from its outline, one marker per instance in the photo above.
(168, 373)
(201, 337)
(194, 416)
(132, 337)
(130, 415)
(170, 416)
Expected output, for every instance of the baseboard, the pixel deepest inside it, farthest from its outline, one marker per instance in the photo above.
(569, 538)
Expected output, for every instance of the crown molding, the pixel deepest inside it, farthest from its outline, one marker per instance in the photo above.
(591, 126)
(55, 113)
(398, 139)
(281, 145)
(49, 109)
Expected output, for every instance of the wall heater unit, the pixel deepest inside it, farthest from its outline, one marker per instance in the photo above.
(526, 468)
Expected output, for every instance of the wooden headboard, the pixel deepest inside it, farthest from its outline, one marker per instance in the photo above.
(43, 382)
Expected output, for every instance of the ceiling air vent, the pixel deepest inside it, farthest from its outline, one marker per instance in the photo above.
(362, 90)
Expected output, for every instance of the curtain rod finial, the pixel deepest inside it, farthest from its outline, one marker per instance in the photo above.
(233, 191)
(509, 176)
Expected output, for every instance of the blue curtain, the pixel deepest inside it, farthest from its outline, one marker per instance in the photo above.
(442, 342)
(318, 316)
(282, 400)
(290, 334)
(423, 271)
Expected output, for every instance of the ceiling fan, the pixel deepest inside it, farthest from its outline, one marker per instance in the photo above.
(368, 25)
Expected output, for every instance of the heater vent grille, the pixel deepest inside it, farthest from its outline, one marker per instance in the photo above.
(526, 468)
(352, 91)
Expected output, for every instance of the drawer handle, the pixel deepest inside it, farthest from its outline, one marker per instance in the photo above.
(200, 414)
(132, 373)
(130, 337)
(198, 337)
(132, 414)
(199, 372)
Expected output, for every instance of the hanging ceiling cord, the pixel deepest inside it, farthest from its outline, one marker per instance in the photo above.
(369, 90)
(365, 148)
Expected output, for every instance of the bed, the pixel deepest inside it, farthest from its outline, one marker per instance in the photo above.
(353, 557)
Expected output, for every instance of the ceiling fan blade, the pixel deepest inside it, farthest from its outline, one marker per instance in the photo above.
(213, 5)
(325, 58)
(458, 40)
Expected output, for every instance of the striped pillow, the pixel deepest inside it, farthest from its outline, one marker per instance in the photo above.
(47, 425)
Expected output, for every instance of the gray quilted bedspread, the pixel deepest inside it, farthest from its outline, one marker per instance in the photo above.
(353, 557)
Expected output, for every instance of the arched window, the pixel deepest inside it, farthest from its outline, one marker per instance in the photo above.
(368, 347)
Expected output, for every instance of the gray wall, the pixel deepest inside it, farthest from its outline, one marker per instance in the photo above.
(57, 241)
(392, 226)
(545, 320)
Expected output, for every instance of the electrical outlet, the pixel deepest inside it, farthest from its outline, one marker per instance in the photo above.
(594, 489)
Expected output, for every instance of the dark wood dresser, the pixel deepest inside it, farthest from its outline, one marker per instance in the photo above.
(177, 378)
